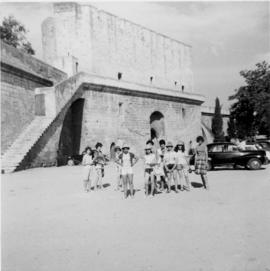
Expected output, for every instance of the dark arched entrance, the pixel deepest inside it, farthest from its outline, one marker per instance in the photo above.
(112, 151)
(70, 138)
(157, 125)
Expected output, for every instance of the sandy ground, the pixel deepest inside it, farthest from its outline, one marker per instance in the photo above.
(48, 223)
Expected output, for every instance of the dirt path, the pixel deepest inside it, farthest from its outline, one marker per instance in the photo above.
(48, 223)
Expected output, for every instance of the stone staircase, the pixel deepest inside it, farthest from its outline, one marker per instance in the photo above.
(15, 154)
(59, 98)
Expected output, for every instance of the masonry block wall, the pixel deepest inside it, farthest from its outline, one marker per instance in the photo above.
(20, 75)
(109, 46)
(109, 117)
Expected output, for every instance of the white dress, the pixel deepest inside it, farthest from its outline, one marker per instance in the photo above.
(126, 167)
(87, 166)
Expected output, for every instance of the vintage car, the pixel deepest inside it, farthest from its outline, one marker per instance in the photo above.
(258, 146)
(225, 153)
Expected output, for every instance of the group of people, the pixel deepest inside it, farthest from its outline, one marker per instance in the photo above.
(164, 165)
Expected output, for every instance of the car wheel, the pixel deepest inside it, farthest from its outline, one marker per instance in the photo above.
(254, 163)
(209, 166)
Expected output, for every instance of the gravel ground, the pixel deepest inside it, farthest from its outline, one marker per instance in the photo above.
(49, 223)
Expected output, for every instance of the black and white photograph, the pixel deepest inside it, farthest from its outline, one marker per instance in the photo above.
(135, 135)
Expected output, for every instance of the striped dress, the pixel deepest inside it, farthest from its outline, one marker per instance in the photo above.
(201, 159)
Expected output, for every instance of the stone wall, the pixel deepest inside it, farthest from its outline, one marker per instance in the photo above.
(17, 111)
(109, 117)
(107, 45)
(29, 66)
(20, 75)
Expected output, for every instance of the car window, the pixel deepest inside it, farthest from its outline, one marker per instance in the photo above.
(217, 148)
(265, 144)
(231, 148)
(251, 148)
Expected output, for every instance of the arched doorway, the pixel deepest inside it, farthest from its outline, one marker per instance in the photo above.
(70, 138)
(157, 125)
(112, 151)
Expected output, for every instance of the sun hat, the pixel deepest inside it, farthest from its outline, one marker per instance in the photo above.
(169, 144)
(125, 146)
(117, 147)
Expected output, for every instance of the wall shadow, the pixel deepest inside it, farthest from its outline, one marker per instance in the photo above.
(70, 137)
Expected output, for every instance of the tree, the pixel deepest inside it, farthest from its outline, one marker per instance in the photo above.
(251, 111)
(217, 123)
(231, 130)
(14, 34)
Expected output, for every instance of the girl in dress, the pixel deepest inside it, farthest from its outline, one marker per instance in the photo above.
(170, 165)
(182, 165)
(87, 163)
(127, 160)
(99, 162)
(201, 161)
(149, 164)
(159, 169)
(117, 150)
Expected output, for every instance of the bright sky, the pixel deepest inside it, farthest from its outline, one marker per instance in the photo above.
(226, 37)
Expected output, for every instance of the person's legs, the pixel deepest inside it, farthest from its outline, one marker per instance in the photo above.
(86, 174)
(90, 180)
(119, 180)
(101, 178)
(205, 181)
(175, 177)
(146, 182)
(180, 177)
(96, 181)
(98, 175)
(169, 179)
(153, 183)
(124, 178)
(185, 173)
(157, 181)
(131, 187)
(162, 182)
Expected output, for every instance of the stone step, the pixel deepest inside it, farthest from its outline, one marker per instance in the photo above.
(12, 158)
(24, 143)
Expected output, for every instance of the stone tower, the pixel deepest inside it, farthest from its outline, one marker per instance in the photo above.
(80, 37)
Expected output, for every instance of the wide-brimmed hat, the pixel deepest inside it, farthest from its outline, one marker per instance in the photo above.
(125, 146)
(180, 142)
(148, 147)
(117, 147)
(169, 144)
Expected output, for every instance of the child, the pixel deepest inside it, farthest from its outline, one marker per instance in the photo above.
(201, 161)
(127, 160)
(181, 165)
(149, 163)
(87, 163)
(159, 168)
(99, 161)
(170, 165)
(117, 150)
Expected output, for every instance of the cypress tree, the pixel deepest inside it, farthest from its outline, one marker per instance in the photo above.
(217, 123)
